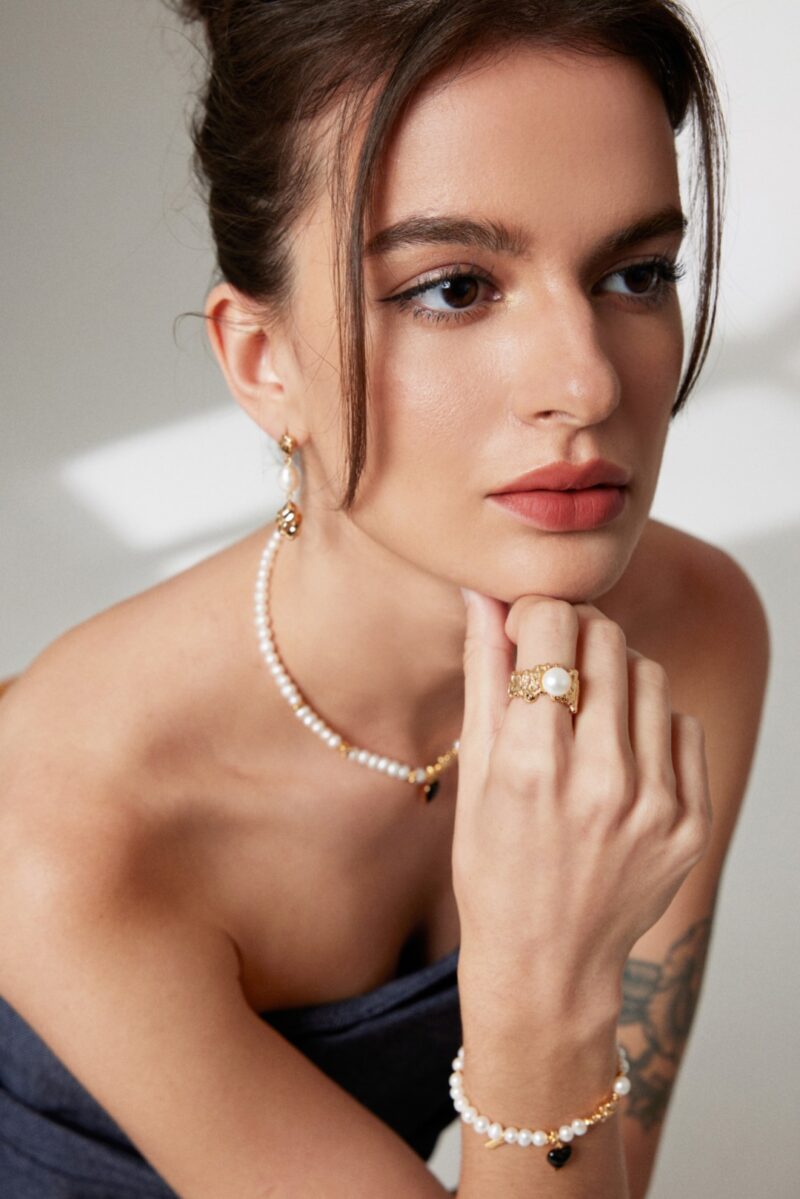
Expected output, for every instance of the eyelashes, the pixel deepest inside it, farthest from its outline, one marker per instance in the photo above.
(456, 285)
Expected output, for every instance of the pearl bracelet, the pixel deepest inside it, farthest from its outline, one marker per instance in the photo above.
(557, 1138)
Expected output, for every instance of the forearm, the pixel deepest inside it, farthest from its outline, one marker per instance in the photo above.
(529, 1070)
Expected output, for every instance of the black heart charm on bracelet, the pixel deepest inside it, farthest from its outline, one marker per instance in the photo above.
(559, 1155)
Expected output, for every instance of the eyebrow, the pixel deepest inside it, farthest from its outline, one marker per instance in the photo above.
(499, 238)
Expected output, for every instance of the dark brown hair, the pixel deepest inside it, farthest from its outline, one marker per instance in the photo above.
(277, 66)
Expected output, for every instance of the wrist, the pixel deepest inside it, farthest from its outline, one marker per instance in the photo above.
(583, 1008)
(541, 1073)
(558, 1138)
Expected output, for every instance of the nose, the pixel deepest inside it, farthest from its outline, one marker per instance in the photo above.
(568, 375)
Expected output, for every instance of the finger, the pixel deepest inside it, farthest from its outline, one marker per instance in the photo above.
(691, 769)
(650, 720)
(545, 630)
(488, 662)
(602, 721)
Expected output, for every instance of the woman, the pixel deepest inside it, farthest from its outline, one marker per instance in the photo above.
(242, 950)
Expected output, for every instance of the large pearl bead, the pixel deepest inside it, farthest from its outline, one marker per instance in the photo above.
(289, 478)
(556, 681)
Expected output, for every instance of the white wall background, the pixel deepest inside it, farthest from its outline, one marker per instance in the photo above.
(124, 459)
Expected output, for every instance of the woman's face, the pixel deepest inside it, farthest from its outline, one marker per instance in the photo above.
(551, 349)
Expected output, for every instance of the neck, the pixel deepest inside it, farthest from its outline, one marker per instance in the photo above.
(374, 644)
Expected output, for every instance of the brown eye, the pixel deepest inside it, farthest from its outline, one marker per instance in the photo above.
(640, 278)
(455, 295)
(648, 282)
(461, 292)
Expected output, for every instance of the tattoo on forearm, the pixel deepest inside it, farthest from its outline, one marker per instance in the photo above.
(658, 1003)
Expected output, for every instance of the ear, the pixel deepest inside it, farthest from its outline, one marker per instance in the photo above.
(257, 361)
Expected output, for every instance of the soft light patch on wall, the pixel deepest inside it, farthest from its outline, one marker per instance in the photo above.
(723, 488)
(179, 483)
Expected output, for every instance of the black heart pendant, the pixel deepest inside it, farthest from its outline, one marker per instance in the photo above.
(429, 790)
(559, 1156)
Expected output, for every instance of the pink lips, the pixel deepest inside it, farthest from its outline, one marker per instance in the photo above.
(565, 497)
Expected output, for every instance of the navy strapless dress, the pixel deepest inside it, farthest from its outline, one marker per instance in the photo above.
(391, 1048)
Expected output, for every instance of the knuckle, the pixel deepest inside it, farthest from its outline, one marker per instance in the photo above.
(524, 770)
(690, 725)
(608, 632)
(657, 801)
(612, 778)
(586, 611)
(552, 616)
(651, 673)
(695, 839)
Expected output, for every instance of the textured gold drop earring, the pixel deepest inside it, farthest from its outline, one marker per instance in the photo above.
(288, 517)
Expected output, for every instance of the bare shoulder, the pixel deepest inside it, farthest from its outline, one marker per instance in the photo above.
(98, 732)
(694, 597)
(116, 669)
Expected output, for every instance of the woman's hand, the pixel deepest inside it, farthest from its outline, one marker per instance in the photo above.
(572, 834)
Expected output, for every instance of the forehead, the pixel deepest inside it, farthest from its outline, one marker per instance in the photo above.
(546, 136)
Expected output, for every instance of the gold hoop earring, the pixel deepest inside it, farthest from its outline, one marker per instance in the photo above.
(288, 517)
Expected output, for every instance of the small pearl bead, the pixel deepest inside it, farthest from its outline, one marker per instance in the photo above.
(460, 1104)
(392, 769)
(539, 1137)
(383, 763)
(372, 761)
(421, 775)
(511, 1136)
(495, 1130)
(566, 1132)
(468, 1115)
(579, 1127)
(524, 1136)
(481, 1124)
(335, 740)
(622, 1085)
(455, 1079)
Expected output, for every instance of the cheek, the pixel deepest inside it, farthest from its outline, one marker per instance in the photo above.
(432, 399)
(648, 355)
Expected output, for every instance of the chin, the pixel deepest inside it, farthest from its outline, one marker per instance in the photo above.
(578, 573)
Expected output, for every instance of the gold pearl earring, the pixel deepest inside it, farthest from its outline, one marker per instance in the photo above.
(288, 517)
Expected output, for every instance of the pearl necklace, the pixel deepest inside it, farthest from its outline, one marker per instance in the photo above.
(424, 778)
